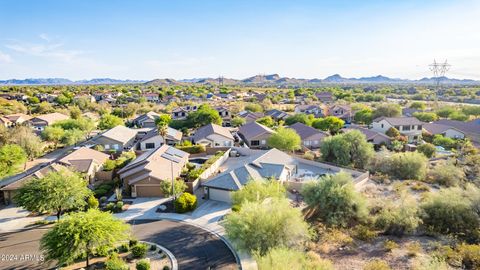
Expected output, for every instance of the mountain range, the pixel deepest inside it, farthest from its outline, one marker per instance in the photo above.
(258, 80)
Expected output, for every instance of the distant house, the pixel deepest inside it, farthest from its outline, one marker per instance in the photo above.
(343, 112)
(408, 112)
(471, 129)
(255, 135)
(18, 118)
(311, 137)
(225, 114)
(277, 114)
(181, 113)
(214, 136)
(5, 122)
(41, 121)
(250, 116)
(374, 137)
(316, 110)
(146, 120)
(225, 96)
(152, 97)
(85, 160)
(142, 176)
(444, 130)
(153, 140)
(88, 97)
(118, 138)
(325, 97)
(409, 127)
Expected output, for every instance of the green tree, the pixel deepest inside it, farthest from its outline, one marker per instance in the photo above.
(203, 116)
(80, 234)
(258, 191)
(329, 123)
(285, 139)
(12, 157)
(179, 187)
(446, 142)
(348, 149)
(363, 116)
(108, 121)
(408, 165)
(445, 111)
(299, 118)
(447, 174)
(44, 107)
(24, 137)
(254, 107)
(238, 121)
(287, 259)
(387, 110)
(418, 105)
(72, 137)
(56, 192)
(75, 112)
(261, 226)
(266, 121)
(426, 116)
(53, 134)
(401, 217)
(334, 200)
(392, 132)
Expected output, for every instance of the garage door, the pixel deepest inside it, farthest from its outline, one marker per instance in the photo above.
(148, 191)
(219, 195)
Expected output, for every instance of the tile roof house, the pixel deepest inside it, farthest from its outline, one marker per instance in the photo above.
(118, 138)
(180, 113)
(265, 164)
(146, 120)
(18, 118)
(41, 121)
(325, 97)
(255, 135)
(311, 137)
(410, 127)
(142, 176)
(152, 97)
(153, 140)
(471, 129)
(250, 116)
(316, 110)
(85, 160)
(5, 122)
(343, 112)
(444, 130)
(214, 136)
(372, 136)
(277, 114)
(225, 114)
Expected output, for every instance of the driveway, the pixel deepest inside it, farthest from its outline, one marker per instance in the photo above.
(15, 218)
(193, 247)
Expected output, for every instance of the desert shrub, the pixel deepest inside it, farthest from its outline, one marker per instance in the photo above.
(287, 259)
(139, 250)
(392, 132)
(332, 237)
(124, 248)
(236, 207)
(413, 248)
(390, 245)
(419, 186)
(433, 263)
(118, 207)
(185, 203)
(132, 242)
(334, 200)
(408, 165)
(194, 174)
(447, 175)
(103, 199)
(399, 218)
(110, 207)
(258, 191)
(109, 165)
(92, 202)
(376, 264)
(427, 149)
(364, 233)
(452, 211)
(470, 255)
(309, 156)
(153, 247)
(194, 149)
(143, 265)
(446, 142)
(100, 192)
(166, 267)
(114, 262)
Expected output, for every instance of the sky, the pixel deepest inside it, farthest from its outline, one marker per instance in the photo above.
(180, 39)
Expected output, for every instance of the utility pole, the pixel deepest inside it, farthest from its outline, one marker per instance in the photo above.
(173, 185)
(439, 70)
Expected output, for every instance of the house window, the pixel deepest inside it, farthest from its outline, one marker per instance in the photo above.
(397, 127)
(254, 143)
(382, 125)
(115, 146)
(315, 142)
(150, 145)
(264, 142)
(406, 127)
(107, 147)
(419, 127)
(306, 143)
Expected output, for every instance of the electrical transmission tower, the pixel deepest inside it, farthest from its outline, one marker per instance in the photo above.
(439, 70)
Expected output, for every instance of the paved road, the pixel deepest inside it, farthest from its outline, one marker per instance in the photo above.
(194, 248)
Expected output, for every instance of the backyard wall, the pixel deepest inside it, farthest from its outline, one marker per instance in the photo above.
(193, 186)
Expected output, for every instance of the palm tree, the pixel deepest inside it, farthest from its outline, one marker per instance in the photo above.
(162, 131)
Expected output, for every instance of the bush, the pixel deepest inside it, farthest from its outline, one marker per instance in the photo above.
(427, 149)
(153, 247)
(139, 250)
(447, 175)
(390, 245)
(334, 200)
(100, 192)
(451, 211)
(132, 242)
(287, 259)
(364, 233)
(470, 255)
(143, 265)
(446, 142)
(409, 165)
(399, 218)
(185, 203)
(376, 264)
(309, 156)
(258, 191)
(103, 199)
(413, 248)
(194, 149)
(110, 207)
(124, 248)
(114, 262)
(109, 165)
(166, 267)
(92, 202)
(118, 207)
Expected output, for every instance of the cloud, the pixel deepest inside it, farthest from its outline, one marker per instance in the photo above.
(47, 49)
(5, 58)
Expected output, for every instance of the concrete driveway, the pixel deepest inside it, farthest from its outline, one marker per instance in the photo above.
(15, 218)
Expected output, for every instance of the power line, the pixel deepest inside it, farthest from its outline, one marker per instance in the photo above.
(439, 70)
